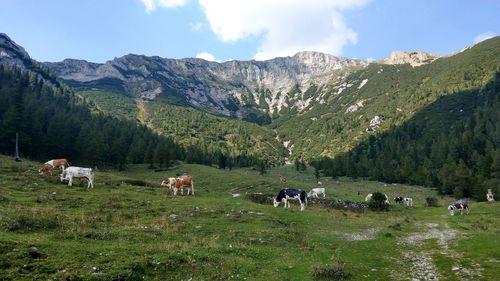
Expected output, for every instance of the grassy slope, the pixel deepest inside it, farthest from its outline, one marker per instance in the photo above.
(127, 231)
(396, 92)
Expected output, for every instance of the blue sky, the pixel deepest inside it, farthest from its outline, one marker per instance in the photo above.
(100, 30)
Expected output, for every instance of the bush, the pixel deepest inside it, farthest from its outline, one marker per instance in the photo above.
(260, 198)
(431, 202)
(378, 202)
(335, 271)
(339, 204)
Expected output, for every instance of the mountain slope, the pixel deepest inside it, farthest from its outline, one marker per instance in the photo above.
(52, 120)
(385, 94)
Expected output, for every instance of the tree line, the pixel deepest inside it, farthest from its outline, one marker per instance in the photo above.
(52, 122)
(453, 145)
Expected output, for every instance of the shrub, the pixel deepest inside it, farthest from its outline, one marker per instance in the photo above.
(431, 202)
(378, 202)
(260, 198)
(335, 271)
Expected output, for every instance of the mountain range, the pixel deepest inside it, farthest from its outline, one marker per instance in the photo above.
(311, 104)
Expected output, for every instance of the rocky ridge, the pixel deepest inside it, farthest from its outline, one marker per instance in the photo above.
(224, 88)
(416, 58)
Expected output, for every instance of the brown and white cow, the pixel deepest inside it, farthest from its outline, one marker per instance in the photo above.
(184, 181)
(53, 164)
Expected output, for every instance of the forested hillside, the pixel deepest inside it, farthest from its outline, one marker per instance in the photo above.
(53, 123)
(393, 93)
(452, 144)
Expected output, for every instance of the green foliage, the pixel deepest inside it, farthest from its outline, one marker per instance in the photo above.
(451, 144)
(378, 202)
(397, 92)
(431, 202)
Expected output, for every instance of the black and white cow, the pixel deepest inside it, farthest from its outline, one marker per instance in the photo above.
(398, 200)
(291, 193)
(78, 172)
(459, 205)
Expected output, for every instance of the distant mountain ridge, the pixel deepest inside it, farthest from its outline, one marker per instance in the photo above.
(227, 88)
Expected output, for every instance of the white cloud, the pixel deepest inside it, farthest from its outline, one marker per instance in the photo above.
(283, 27)
(206, 56)
(152, 5)
(483, 36)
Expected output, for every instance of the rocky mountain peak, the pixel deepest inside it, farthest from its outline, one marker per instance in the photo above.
(415, 58)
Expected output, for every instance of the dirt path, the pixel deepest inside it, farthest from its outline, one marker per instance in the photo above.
(422, 266)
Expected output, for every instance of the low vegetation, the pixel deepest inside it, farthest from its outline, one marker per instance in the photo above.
(130, 228)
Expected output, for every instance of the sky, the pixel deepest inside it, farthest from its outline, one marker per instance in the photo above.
(222, 30)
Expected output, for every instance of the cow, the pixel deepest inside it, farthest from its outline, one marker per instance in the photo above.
(290, 193)
(369, 197)
(408, 201)
(398, 200)
(316, 191)
(78, 172)
(184, 181)
(461, 205)
(53, 164)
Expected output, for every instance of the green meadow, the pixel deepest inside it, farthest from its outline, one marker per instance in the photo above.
(130, 228)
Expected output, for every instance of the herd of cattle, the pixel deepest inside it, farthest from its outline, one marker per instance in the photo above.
(186, 182)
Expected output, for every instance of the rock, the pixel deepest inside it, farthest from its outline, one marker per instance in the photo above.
(416, 58)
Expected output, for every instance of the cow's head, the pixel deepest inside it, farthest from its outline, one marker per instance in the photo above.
(276, 203)
(64, 175)
(45, 168)
(452, 209)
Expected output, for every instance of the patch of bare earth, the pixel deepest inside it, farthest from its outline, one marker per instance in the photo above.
(422, 265)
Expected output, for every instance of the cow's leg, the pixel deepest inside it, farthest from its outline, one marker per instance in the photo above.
(70, 182)
(301, 205)
(324, 194)
(192, 188)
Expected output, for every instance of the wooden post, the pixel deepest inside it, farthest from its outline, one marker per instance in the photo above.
(18, 159)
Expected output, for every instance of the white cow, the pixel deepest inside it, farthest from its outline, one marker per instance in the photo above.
(408, 201)
(78, 172)
(316, 191)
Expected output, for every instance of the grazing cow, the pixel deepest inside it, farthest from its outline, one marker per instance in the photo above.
(168, 182)
(184, 181)
(291, 193)
(459, 205)
(408, 201)
(53, 164)
(369, 197)
(77, 172)
(398, 200)
(316, 191)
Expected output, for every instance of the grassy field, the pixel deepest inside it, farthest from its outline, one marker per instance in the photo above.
(129, 228)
